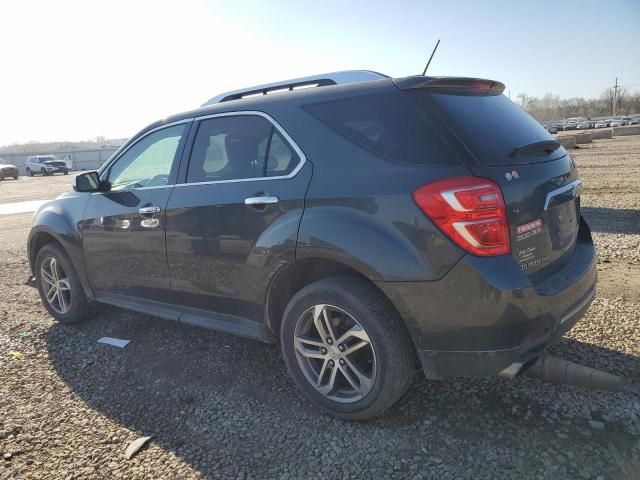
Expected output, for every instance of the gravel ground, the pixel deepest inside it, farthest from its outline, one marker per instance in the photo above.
(223, 407)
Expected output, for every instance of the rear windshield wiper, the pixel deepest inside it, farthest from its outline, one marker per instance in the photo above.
(546, 146)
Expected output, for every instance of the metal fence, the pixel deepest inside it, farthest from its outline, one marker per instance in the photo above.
(76, 160)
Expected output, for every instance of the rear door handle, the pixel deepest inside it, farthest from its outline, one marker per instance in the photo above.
(145, 211)
(264, 200)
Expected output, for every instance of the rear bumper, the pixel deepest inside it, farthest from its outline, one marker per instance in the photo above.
(485, 314)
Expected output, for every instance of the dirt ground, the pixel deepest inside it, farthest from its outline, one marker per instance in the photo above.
(223, 407)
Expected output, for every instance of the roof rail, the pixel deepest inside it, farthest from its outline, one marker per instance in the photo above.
(334, 78)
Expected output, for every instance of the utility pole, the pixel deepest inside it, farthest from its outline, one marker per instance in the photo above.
(615, 96)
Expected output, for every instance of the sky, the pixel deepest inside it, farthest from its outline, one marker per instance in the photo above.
(75, 70)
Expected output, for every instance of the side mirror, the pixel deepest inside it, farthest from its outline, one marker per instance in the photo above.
(88, 182)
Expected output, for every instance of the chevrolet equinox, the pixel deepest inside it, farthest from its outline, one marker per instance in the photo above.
(368, 224)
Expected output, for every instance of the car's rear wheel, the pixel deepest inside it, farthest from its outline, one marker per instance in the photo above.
(346, 348)
(15, 177)
(59, 286)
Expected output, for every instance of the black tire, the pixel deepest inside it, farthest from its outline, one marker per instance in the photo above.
(43, 172)
(79, 307)
(394, 351)
(66, 172)
(29, 172)
(15, 178)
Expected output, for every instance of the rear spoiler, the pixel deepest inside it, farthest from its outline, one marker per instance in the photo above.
(478, 85)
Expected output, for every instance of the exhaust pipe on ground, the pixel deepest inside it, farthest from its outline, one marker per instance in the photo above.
(563, 372)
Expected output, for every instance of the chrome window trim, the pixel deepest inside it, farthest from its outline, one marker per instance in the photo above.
(576, 185)
(277, 126)
(106, 166)
(134, 189)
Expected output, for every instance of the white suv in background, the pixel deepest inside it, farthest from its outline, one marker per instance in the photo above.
(45, 165)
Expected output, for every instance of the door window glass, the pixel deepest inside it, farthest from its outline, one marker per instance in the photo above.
(229, 148)
(239, 147)
(148, 162)
(282, 158)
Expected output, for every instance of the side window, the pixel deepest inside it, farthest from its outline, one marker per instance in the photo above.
(148, 162)
(282, 159)
(239, 147)
(229, 148)
(387, 125)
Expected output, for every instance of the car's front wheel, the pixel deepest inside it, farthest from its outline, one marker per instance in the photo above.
(43, 171)
(29, 172)
(346, 348)
(59, 286)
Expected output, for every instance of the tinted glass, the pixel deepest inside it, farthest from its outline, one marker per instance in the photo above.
(229, 148)
(282, 158)
(492, 126)
(148, 162)
(386, 124)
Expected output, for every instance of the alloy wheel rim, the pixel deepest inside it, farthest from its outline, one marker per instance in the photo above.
(56, 285)
(335, 353)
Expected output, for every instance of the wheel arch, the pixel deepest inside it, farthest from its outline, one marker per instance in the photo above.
(37, 240)
(54, 224)
(292, 278)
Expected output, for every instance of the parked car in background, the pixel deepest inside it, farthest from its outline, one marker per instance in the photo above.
(615, 122)
(45, 165)
(626, 121)
(569, 126)
(452, 236)
(583, 125)
(635, 121)
(600, 124)
(8, 170)
(551, 128)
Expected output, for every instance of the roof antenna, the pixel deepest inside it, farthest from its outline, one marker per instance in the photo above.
(432, 53)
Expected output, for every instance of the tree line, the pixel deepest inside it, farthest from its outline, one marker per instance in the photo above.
(552, 107)
(53, 147)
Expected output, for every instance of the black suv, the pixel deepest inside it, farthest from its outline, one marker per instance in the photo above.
(365, 223)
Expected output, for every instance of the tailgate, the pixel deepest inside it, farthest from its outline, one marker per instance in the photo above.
(543, 209)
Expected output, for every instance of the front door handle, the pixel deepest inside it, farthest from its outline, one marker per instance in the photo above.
(264, 200)
(146, 211)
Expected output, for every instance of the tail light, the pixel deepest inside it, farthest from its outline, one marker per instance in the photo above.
(470, 211)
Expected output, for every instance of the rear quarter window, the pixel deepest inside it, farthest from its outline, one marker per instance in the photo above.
(387, 125)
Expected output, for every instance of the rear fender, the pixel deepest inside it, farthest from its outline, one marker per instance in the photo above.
(379, 249)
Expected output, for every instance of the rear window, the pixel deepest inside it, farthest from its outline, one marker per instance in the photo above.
(385, 124)
(492, 126)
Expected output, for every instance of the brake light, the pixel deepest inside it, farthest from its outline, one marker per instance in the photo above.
(470, 211)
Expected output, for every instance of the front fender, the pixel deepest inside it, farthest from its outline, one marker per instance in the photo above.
(59, 220)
